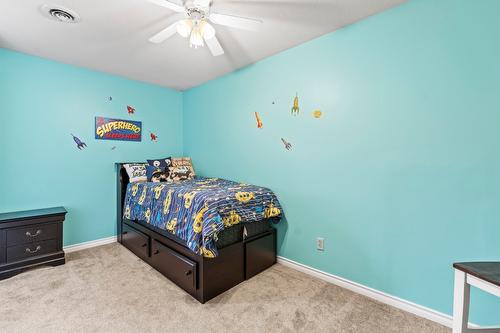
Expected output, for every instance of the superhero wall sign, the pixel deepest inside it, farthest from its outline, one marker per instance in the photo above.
(117, 129)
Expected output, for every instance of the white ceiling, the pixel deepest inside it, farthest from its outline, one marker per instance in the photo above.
(113, 35)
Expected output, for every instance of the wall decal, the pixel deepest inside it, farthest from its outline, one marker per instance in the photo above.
(113, 148)
(259, 122)
(153, 136)
(79, 143)
(109, 98)
(130, 109)
(274, 102)
(288, 145)
(317, 113)
(295, 108)
(117, 129)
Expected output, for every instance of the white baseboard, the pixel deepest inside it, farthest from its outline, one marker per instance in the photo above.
(87, 245)
(380, 296)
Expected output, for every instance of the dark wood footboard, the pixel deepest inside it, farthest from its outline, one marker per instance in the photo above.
(203, 278)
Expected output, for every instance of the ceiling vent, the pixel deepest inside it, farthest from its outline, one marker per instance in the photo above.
(60, 14)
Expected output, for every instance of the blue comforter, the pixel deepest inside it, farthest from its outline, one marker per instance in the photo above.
(197, 210)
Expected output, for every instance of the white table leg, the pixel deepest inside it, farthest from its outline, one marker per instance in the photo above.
(461, 303)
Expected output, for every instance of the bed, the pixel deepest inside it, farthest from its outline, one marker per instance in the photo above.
(206, 235)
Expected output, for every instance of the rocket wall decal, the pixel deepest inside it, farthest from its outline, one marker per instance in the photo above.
(259, 122)
(288, 145)
(295, 108)
(79, 143)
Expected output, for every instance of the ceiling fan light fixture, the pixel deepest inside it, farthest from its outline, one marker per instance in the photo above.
(207, 30)
(194, 16)
(184, 28)
(196, 39)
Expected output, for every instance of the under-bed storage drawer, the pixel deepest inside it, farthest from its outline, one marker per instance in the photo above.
(260, 254)
(175, 266)
(135, 241)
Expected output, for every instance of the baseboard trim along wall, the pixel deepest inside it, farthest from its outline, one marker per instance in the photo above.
(87, 245)
(377, 295)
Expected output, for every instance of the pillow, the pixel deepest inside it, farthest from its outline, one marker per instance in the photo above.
(136, 172)
(156, 175)
(181, 169)
(161, 163)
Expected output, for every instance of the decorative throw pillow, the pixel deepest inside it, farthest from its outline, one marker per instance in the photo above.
(161, 163)
(136, 172)
(156, 175)
(181, 169)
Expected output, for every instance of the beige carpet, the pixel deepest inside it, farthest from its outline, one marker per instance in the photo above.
(108, 289)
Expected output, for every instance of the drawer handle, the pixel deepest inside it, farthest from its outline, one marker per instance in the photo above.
(145, 244)
(157, 251)
(38, 248)
(189, 272)
(125, 232)
(38, 233)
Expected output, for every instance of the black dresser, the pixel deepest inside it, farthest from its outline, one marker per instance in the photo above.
(31, 238)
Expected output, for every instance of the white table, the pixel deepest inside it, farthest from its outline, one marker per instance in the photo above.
(482, 275)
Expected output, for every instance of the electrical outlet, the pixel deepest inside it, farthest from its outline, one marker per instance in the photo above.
(320, 243)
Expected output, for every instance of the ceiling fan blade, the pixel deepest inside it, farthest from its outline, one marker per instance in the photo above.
(214, 46)
(276, 2)
(202, 3)
(164, 34)
(170, 5)
(236, 21)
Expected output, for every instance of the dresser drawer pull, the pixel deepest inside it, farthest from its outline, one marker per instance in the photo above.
(38, 248)
(38, 233)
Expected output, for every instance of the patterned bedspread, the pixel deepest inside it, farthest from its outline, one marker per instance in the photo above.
(197, 210)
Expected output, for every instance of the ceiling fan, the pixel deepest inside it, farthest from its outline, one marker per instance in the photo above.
(194, 24)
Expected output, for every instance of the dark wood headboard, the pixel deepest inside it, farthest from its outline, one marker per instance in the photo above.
(122, 180)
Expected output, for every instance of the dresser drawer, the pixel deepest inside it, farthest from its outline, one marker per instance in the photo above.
(20, 252)
(32, 233)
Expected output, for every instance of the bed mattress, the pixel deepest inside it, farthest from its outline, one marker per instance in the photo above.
(226, 237)
(197, 211)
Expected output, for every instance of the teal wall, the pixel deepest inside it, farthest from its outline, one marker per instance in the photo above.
(41, 103)
(401, 175)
